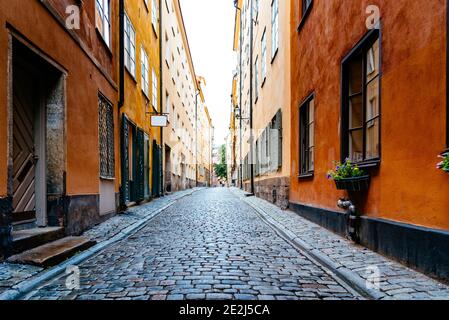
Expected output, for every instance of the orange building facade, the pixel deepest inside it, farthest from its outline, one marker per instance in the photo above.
(369, 83)
(58, 116)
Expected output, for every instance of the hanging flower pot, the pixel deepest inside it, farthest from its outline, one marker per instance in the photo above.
(353, 184)
(348, 176)
(444, 163)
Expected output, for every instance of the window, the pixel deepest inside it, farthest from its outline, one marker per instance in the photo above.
(102, 20)
(264, 56)
(106, 138)
(361, 107)
(307, 136)
(256, 78)
(155, 15)
(130, 47)
(274, 27)
(145, 72)
(155, 86)
(305, 6)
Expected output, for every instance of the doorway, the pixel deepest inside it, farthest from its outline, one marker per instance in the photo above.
(37, 140)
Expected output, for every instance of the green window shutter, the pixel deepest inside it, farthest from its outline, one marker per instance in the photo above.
(140, 170)
(279, 142)
(125, 189)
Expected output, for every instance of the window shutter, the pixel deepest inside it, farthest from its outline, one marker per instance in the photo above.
(279, 137)
(125, 161)
(140, 177)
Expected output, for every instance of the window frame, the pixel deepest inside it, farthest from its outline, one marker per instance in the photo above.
(361, 48)
(105, 19)
(305, 12)
(305, 169)
(155, 16)
(256, 79)
(107, 155)
(264, 56)
(145, 72)
(274, 29)
(154, 89)
(128, 43)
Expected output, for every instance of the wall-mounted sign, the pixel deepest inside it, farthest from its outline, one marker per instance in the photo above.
(159, 121)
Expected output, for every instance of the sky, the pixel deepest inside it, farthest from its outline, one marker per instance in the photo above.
(210, 29)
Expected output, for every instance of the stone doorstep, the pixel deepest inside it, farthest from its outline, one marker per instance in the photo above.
(53, 253)
(31, 238)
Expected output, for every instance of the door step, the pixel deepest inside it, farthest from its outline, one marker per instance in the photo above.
(53, 253)
(31, 238)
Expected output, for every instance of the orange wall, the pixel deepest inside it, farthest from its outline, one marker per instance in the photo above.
(84, 81)
(406, 187)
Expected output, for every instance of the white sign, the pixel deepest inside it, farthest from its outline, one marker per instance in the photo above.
(159, 121)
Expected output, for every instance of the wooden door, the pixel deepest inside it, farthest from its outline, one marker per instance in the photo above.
(25, 103)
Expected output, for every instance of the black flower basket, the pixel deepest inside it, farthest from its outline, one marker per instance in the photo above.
(353, 184)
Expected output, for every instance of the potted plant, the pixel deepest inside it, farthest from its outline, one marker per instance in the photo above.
(444, 163)
(348, 176)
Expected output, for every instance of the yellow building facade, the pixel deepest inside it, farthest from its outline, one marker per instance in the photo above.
(184, 137)
(141, 152)
(262, 98)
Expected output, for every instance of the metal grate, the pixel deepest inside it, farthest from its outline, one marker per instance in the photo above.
(106, 133)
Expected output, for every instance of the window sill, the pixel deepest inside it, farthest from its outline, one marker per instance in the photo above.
(368, 164)
(305, 176)
(103, 41)
(131, 75)
(304, 17)
(107, 178)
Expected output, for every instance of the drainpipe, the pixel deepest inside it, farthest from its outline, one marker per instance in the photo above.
(251, 90)
(240, 97)
(196, 138)
(353, 218)
(121, 53)
(161, 92)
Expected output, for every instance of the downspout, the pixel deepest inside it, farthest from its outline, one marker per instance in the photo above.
(240, 99)
(121, 53)
(251, 91)
(196, 138)
(161, 92)
(447, 75)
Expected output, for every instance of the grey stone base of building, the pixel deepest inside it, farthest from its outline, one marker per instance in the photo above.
(75, 213)
(423, 249)
(274, 190)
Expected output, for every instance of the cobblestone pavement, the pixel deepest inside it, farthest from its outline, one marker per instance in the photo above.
(210, 245)
(13, 274)
(396, 280)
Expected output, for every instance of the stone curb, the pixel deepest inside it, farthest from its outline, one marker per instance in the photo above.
(350, 278)
(25, 287)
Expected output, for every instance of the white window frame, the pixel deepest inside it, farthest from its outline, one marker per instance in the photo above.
(130, 47)
(145, 71)
(154, 89)
(264, 55)
(155, 15)
(274, 27)
(103, 20)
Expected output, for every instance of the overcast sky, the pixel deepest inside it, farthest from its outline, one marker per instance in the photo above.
(210, 28)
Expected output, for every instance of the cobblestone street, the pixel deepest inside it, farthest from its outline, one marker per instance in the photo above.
(210, 245)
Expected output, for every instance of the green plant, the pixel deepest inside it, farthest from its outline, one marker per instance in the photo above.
(345, 170)
(221, 169)
(444, 164)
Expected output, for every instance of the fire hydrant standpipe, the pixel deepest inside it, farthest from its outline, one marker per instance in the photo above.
(353, 217)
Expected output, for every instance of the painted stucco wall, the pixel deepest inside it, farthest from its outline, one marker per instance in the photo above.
(137, 106)
(406, 187)
(89, 72)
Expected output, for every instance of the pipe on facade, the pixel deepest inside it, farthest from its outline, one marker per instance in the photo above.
(121, 53)
(251, 91)
(161, 92)
(353, 218)
(240, 95)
